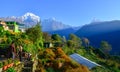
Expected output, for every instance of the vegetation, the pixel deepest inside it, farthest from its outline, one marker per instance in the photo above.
(74, 41)
(10, 70)
(105, 47)
(56, 58)
(31, 40)
(1, 64)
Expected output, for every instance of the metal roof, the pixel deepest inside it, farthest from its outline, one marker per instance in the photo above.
(84, 61)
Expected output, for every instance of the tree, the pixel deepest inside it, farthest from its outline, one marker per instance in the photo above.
(76, 41)
(70, 43)
(35, 35)
(46, 37)
(2, 32)
(86, 42)
(105, 47)
(56, 38)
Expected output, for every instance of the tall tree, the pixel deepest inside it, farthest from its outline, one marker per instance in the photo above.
(75, 41)
(56, 38)
(105, 47)
(86, 42)
(46, 37)
(35, 35)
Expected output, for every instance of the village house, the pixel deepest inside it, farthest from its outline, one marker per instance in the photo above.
(12, 26)
(3, 24)
(47, 45)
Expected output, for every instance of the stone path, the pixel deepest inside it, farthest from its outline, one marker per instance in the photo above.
(28, 65)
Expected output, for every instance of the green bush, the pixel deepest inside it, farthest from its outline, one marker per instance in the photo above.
(50, 69)
(1, 64)
(10, 70)
(116, 69)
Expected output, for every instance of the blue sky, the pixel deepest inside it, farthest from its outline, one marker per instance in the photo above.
(71, 12)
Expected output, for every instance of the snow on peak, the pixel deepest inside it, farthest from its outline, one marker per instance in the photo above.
(31, 16)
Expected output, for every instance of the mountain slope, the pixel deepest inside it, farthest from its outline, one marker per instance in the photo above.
(30, 19)
(112, 38)
(98, 28)
(102, 31)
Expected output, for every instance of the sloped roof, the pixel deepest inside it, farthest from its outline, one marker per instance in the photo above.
(84, 61)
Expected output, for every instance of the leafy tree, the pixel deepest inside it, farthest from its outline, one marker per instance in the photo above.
(46, 37)
(105, 47)
(70, 43)
(76, 41)
(35, 35)
(1, 31)
(56, 38)
(9, 40)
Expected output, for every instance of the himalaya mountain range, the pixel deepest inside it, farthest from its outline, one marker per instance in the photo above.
(30, 19)
(96, 31)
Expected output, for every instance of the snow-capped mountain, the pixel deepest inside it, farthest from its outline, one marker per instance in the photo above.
(52, 24)
(30, 17)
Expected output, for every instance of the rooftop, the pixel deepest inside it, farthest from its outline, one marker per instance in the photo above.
(84, 61)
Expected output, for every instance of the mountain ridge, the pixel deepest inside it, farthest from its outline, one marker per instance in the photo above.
(29, 19)
(102, 31)
(53, 25)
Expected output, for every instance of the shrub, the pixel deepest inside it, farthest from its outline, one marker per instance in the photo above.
(9, 61)
(5, 62)
(74, 64)
(50, 69)
(1, 64)
(10, 70)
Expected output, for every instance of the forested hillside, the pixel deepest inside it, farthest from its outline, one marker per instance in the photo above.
(102, 31)
(55, 58)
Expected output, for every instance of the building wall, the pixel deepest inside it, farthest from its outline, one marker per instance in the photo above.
(16, 28)
(13, 26)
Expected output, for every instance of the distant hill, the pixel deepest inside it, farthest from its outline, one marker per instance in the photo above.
(99, 31)
(98, 28)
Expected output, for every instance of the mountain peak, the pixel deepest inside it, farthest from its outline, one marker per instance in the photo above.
(31, 16)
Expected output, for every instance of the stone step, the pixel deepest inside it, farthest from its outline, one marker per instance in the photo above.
(27, 69)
